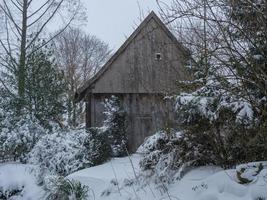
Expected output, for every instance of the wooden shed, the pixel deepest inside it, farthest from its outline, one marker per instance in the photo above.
(141, 73)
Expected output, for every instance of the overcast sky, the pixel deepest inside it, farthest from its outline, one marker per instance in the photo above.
(113, 20)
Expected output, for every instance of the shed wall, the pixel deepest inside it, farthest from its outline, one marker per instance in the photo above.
(146, 113)
(141, 81)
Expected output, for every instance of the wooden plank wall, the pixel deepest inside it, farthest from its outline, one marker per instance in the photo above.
(137, 77)
(146, 113)
(137, 70)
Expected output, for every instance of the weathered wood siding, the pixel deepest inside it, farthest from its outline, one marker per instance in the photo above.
(141, 80)
(146, 113)
(137, 70)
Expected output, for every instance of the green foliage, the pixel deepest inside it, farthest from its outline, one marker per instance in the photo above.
(45, 85)
(98, 147)
(43, 97)
(252, 66)
(65, 189)
(223, 142)
(115, 126)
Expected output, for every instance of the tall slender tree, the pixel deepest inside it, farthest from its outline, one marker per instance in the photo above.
(25, 22)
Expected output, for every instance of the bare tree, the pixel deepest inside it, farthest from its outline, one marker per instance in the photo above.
(221, 35)
(80, 56)
(24, 23)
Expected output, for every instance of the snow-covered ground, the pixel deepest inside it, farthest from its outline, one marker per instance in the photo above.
(22, 178)
(103, 178)
(112, 181)
(202, 183)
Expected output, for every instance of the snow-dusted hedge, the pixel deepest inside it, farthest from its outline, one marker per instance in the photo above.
(209, 102)
(161, 156)
(225, 129)
(17, 138)
(167, 156)
(64, 152)
(154, 142)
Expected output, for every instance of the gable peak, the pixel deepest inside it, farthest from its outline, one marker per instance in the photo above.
(153, 15)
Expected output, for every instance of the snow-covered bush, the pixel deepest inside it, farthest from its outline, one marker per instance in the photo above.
(221, 128)
(162, 156)
(114, 126)
(18, 136)
(65, 189)
(247, 173)
(64, 152)
(154, 142)
(7, 194)
(167, 156)
(210, 102)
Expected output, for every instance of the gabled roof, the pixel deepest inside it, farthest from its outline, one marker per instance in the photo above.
(80, 93)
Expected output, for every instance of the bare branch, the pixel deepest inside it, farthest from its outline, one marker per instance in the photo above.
(44, 24)
(44, 12)
(14, 3)
(9, 15)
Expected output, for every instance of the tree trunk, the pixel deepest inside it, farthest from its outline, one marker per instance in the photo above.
(22, 59)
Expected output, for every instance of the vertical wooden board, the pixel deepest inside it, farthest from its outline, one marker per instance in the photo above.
(145, 114)
(136, 69)
(88, 115)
